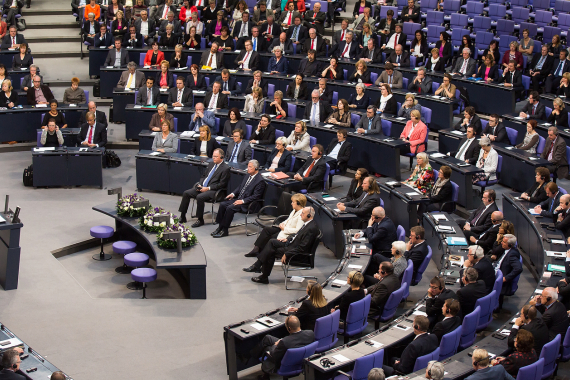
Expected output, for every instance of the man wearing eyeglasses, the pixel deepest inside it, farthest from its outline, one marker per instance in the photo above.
(480, 220)
(437, 294)
(11, 363)
(39, 93)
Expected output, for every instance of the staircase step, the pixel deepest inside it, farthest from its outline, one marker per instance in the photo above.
(56, 49)
(75, 39)
(47, 12)
(51, 22)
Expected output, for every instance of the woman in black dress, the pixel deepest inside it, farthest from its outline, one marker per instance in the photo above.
(178, 59)
(234, 122)
(22, 60)
(192, 40)
(204, 144)
(278, 106)
(8, 97)
(168, 39)
(225, 41)
(196, 81)
(355, 188)
(361, 73)
(54, 114)
(537, 192)
(444, 48)
(355, 293)
(359, 100)
(313, 308)
(333, 70)
(298, 89)
(559, 116)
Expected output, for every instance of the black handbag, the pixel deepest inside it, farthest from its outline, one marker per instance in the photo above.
(21, 24)
(29, 176)
(111, 160)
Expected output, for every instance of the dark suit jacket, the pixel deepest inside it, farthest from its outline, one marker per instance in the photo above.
(500, 133)
(511, 268)
(263, 85)
(337, 50)
(446, 326)
(363, 205)
(537, 328)
(151, 27)
(303, 92)
(299, 339)
(493, 72)
(376, 54)
(439, 66)
(565, 69)
(404, 59)
(86, 27)
(284, 164)
(540, 195)
(222, 100)
(106, 41)
(327, 95)
(469, 294)
(253, 60)
(301, 35)
(425, 85)
(219, 59)
(343, 154)
(168, 43)
(111, 56)
(7, 41)
(401, 39)
(546, 66)
(309, 313)
(434, 305)
(315, 180)
(445, 194)
(550, 203)
(539, 114)
(417, 254)
(176, 28)
(564, 225)
(555, 318)
(265, 136)
(237, 28)
(381, 235)
(99, 136)
(558, 157)
(472, 153)
(160, 12)
(311, 17)
(136, 44)
(488, 238)
(560, 120)
(303, 240)
(186, 96)
(169, 79)
(308, 68)
(515, 80)
(219, 179)
(275, 32)
(414, 17)
(364, 78)
(210, 146)
(142, 95)
(484, 221)
(475, 123)
(243, 154)
(380, 292)
(31, 94)
(100, 118)
(324, 111)
(486, 273)
(254, 191)
(422, 345)
(199, 85)
(232, 85)
(320, 47)
(287, 44)
(6, 374)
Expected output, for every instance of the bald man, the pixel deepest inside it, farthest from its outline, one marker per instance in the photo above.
(100, 116)
(563, 220)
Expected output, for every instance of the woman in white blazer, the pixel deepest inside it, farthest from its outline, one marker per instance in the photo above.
(488, 161)
(254, 102)
(299, 139)
(165, 141)
(288, 227)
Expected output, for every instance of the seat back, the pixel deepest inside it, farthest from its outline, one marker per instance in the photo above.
(549, 353)
(561, 7)
(542, 18)
(451, 6)
(486, 304)
(564, 19)
(357, 316)
(326, 329)
(549, 32)
(270, 89)
(481, 24)
(392, 303)
(292, 163)
(449, 344)
(364, 364)
(423, 361)
(373, 78)
(497, 11)
(434, 17)
(474, 8)
(410, 28)
(386, 127)
(540, 147)
(248, 130)
(278, 133)
(469, 328)
(312, 141)
(541, 4)
(459, 20)
(354, 119)
(141, 59)
(291, 110)
(433, 32)
(422, 268)
(39, 138)
(426, 114)
(175, 124)
(497, 286)
(407, 278)
(532, 371)
(401, 233)
(427, 5)
(335, 97)
(384, 9)
(520, 14)
(483, 39)
(512, 135)
(505, 27)
(562, 190)
(565, 347)
(189, 61)
(292, 362)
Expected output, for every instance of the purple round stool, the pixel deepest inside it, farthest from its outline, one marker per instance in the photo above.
(123, 247)
(102, 232)
(135, 260)
(143, 275)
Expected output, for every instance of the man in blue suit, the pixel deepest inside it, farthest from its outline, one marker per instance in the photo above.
(203, 117)
(560, 66)
(251, 189)
(345, 49)
(509, 264)
(229, 84)
(547, 209)
(104, 39)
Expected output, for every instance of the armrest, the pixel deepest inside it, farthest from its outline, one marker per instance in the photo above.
(252, 203)
(260, 212)
(280, 219)
(339, 372)
(217, 195)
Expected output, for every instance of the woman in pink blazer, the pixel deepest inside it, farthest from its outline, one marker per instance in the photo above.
(415, 132)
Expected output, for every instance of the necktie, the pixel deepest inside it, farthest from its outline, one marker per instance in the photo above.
(210, 175)
(213, 101)
(552, 204)
(225, 86)
(477, 216)
(396, 40)
(313, 44)
(314, 113)
(165, 11)
(198, 124)
(234, 152)
(512, 77)
(398, 59)
(369, 124)
(90, 138)
(310, 168)
(210, 60)
(130, 82)
(390, 80)
(559, 69)
(540, 63)
(199, 3)
(149, 97)
(371, 54)
(255, 44)
(463, 149)
(289, 19)
(245, 60)
(344, 52)
(245, 187)
(463, 67)
(269, 29)
(179, 97)
(242, 32)
(295, 33)
(533, 109)
(13, 41)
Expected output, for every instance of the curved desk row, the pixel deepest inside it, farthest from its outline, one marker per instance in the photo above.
(515, 122)
(188, 267)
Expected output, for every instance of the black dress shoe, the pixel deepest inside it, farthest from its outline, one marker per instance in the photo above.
(263, 377)
(220, 234)
(198, 223)
(252, 269)
(260, 280)
(252, 254)
(216, 231)
(182, 219)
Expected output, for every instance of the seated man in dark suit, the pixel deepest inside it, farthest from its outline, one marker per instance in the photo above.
(345, 49)
(311, 176)
(12, 40)
(381, 232)
(510, 264)
(547, 208)
(317, 110)
(38, 93)
(213, 58)
(495, 130)
(423, 344)
(316, 18)
(92, 134)
(371, 124)
(563, 221)
(380, 292)
(117, 57)
(315, 43)
(451, 320)
(251, 189)
(248, 59)
(468, 148)
(229, 84)
(363, 206)
(411, 12)
(486, 239)
(512, 78)
(437, 295)
(325, 92)
(371, 53)
(399, 58)
(416, 248)
(103, 38)
(470, 118)
(480, 219)
(181, 95)
(297, 33)
(301, 242)
(264, 134)
(471, 292)
(283, 42)
(271, 30)
(148, 95)
(539, 68)
(273, 349)
(529, 321)
(339, 149)
(214, 178)
(553, 312)
(533, 110)
(133, 39)
(100, 116)
(485, 272)
(11, 363)
(239, 150)
(215, 99)
(559, 67)
(555, 152)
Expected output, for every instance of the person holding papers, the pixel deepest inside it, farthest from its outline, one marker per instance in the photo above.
(166, 141)
(202, 117)
(488, 161)
(160, 116)
(363, 206)
(547, 208)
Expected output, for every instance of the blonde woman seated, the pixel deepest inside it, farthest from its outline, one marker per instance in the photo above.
(159, 117)
(166, 141)
(415, 133)
(422, 177)
(409, 105)
(341, 116)
(313, 308)
(204, 144)
(488, 160)
(299, 139)
(280, 158)
(74, 94)
(288, 227)
(254, 102)
(559, 116)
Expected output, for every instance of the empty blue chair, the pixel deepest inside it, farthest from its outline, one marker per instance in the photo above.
(458, 20)
(497, 11)
(175, 124)
(481, 24)
(248, 130)
(505, 27)
(540, 4)
(483, 39)
(401, 233)
(497, 286)
(326, 329)
(422, 268)
(564, 22)
(405, 82)
(344, 71)
(292, 362)
(543, 18)
(474, 8)
(487, 304)
(386, 127)
(279, 133)
(532, 371)
(549, 353)
(270, 89)
(433, 32)
(519, 3)
(356, 318)
(407, 278)
(549, 31)
(423, 361)
(426, 6)
(312, 141)
(540, 147)
(410, 28)
(141, 59)
(451, 6)
(469, 328)
(189, 61)
(484, 184)
(354, 119)
(565, 347)
(207, 79)
(520, 14)
(426, 114)
(390, 306)
(291, 110)
(449, 344)
(363, 365)
(292, 163)
(512, 135)
(373, 78)
(561, 7)
(335, 97)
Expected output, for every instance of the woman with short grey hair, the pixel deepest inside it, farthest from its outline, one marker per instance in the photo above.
(488, 161)
(435, 370)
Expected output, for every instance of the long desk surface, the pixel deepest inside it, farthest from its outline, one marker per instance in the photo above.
(188, 267)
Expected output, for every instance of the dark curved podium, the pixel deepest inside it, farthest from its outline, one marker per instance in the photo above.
(188, 268)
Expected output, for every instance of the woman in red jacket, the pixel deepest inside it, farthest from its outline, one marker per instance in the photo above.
(513, 54)
(415, 133)
(153, 57)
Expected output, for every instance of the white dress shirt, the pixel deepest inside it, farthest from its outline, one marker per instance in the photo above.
(144, 28)
(464, 147)
(336, 149)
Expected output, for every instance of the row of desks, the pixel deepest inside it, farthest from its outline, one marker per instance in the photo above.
(69, 166)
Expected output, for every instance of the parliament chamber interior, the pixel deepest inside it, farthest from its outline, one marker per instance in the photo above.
(264, 189)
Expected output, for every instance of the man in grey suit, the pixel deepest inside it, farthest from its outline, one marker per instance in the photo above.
(421, 84)
(370, 124)
(132, 78)
(465, 66)
(391, 77)
(202, 117)
(148, 95)
(117, 57)
(239, 150)
(215, 177)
